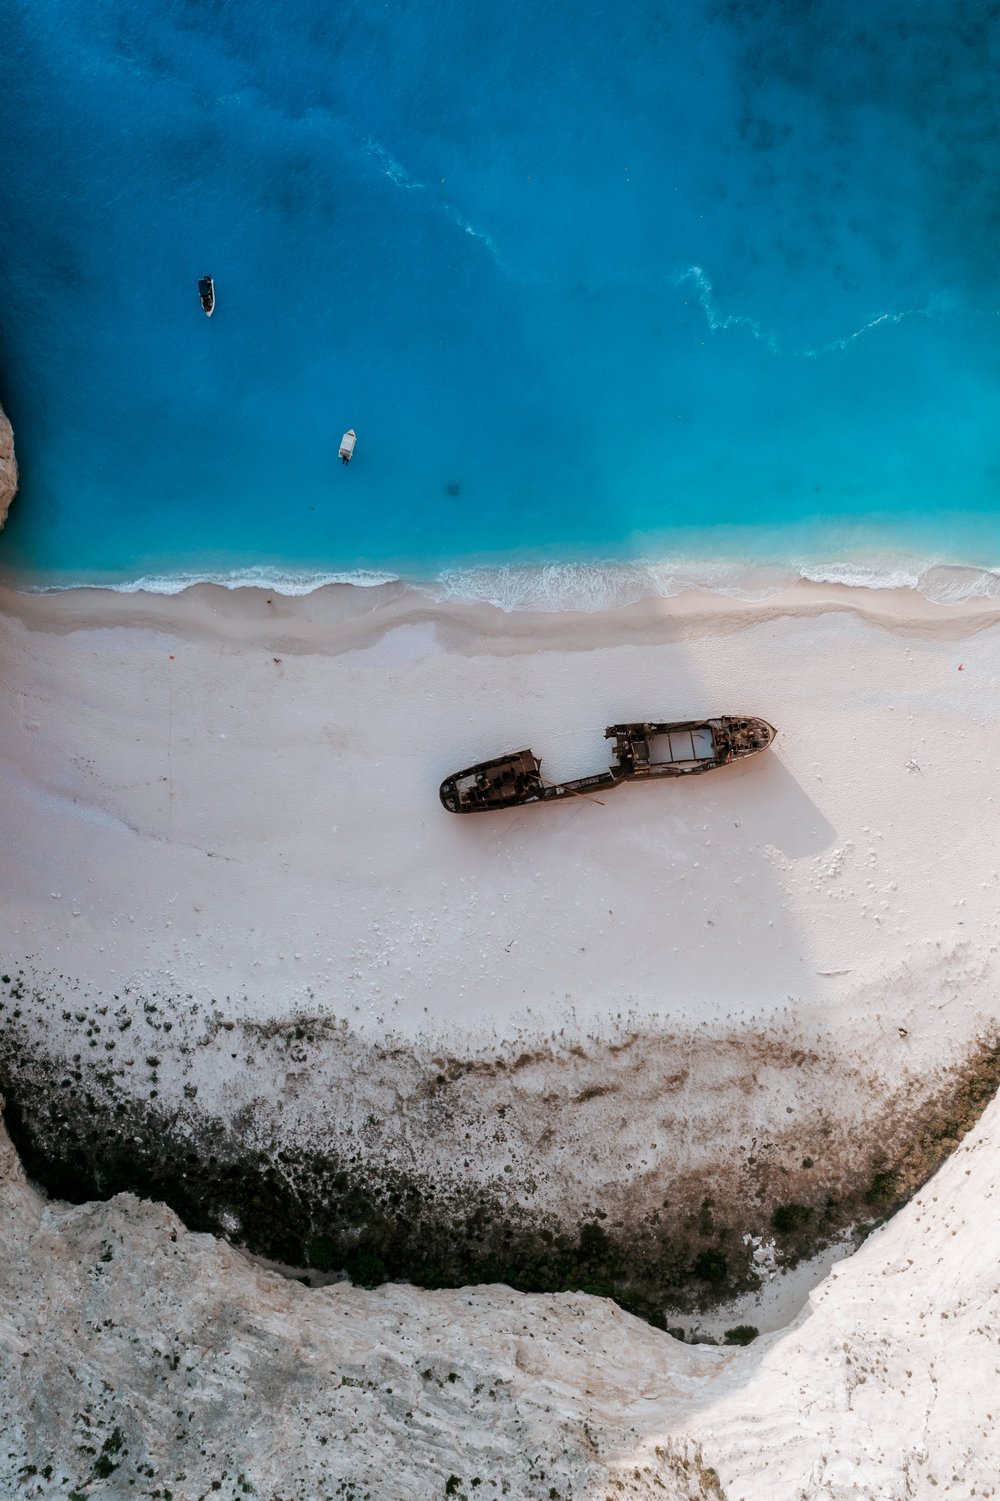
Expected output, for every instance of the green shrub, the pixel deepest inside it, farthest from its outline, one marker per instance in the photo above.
(594, 1243)
(711, 1266)
(320, 1253)
(743, 1334)
(364, 1267)
(788, 1218)
(883, 1189)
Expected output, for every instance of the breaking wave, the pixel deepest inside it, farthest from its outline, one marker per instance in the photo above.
(592, 587)
(275, 580)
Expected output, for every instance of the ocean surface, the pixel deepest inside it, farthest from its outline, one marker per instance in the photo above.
(686, 289)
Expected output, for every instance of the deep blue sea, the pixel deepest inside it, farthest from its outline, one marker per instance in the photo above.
(695, 280)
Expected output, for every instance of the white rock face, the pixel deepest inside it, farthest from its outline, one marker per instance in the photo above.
(139, 1360)
(125, 1340)
(8, 467)
(889, 1386)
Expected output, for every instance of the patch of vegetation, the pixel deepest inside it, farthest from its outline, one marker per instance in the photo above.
(883, 1189)
(81, 1136)
(330, 1212)
(365, 1267)
(321, 1253)
(742, 1334)
(711, 1266)
(593, 1245)
(788, 1218)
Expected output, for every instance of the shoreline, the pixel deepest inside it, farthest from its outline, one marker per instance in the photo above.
(584, 587)
(360, 614)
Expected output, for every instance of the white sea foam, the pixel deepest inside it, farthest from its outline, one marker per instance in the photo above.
(942, 583)
(389, 166)
(591, 587)
(719, 323)
(477, 234)
(716, 322)
(397, 173)
(274, 580)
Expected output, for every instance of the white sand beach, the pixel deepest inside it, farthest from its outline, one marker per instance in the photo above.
(227, 800)
(238, 791)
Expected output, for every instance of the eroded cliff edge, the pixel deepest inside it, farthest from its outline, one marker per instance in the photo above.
(529, 1166)
(139, 1359)
(8, 466)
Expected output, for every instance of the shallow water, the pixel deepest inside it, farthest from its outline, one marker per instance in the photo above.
(707, 281)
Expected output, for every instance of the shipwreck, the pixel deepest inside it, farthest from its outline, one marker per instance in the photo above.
(642, 753)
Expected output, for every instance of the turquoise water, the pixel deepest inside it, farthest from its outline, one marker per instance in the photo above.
(591, 282)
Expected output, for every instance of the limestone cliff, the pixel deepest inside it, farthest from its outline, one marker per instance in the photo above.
(138, 1359)
(8, 467)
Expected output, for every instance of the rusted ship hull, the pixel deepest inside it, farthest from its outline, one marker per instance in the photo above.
(643, 751)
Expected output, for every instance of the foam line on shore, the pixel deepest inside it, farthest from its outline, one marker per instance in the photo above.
(585, 587)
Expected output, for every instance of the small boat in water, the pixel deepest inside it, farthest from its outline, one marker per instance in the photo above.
(643, 752)
(347, 443)
(206, 291)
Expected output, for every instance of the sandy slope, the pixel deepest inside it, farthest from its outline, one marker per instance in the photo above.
(126, 1341)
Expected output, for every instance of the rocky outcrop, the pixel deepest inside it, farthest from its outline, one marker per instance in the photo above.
(138, 1359)
(8, 467)
(311, 1146)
